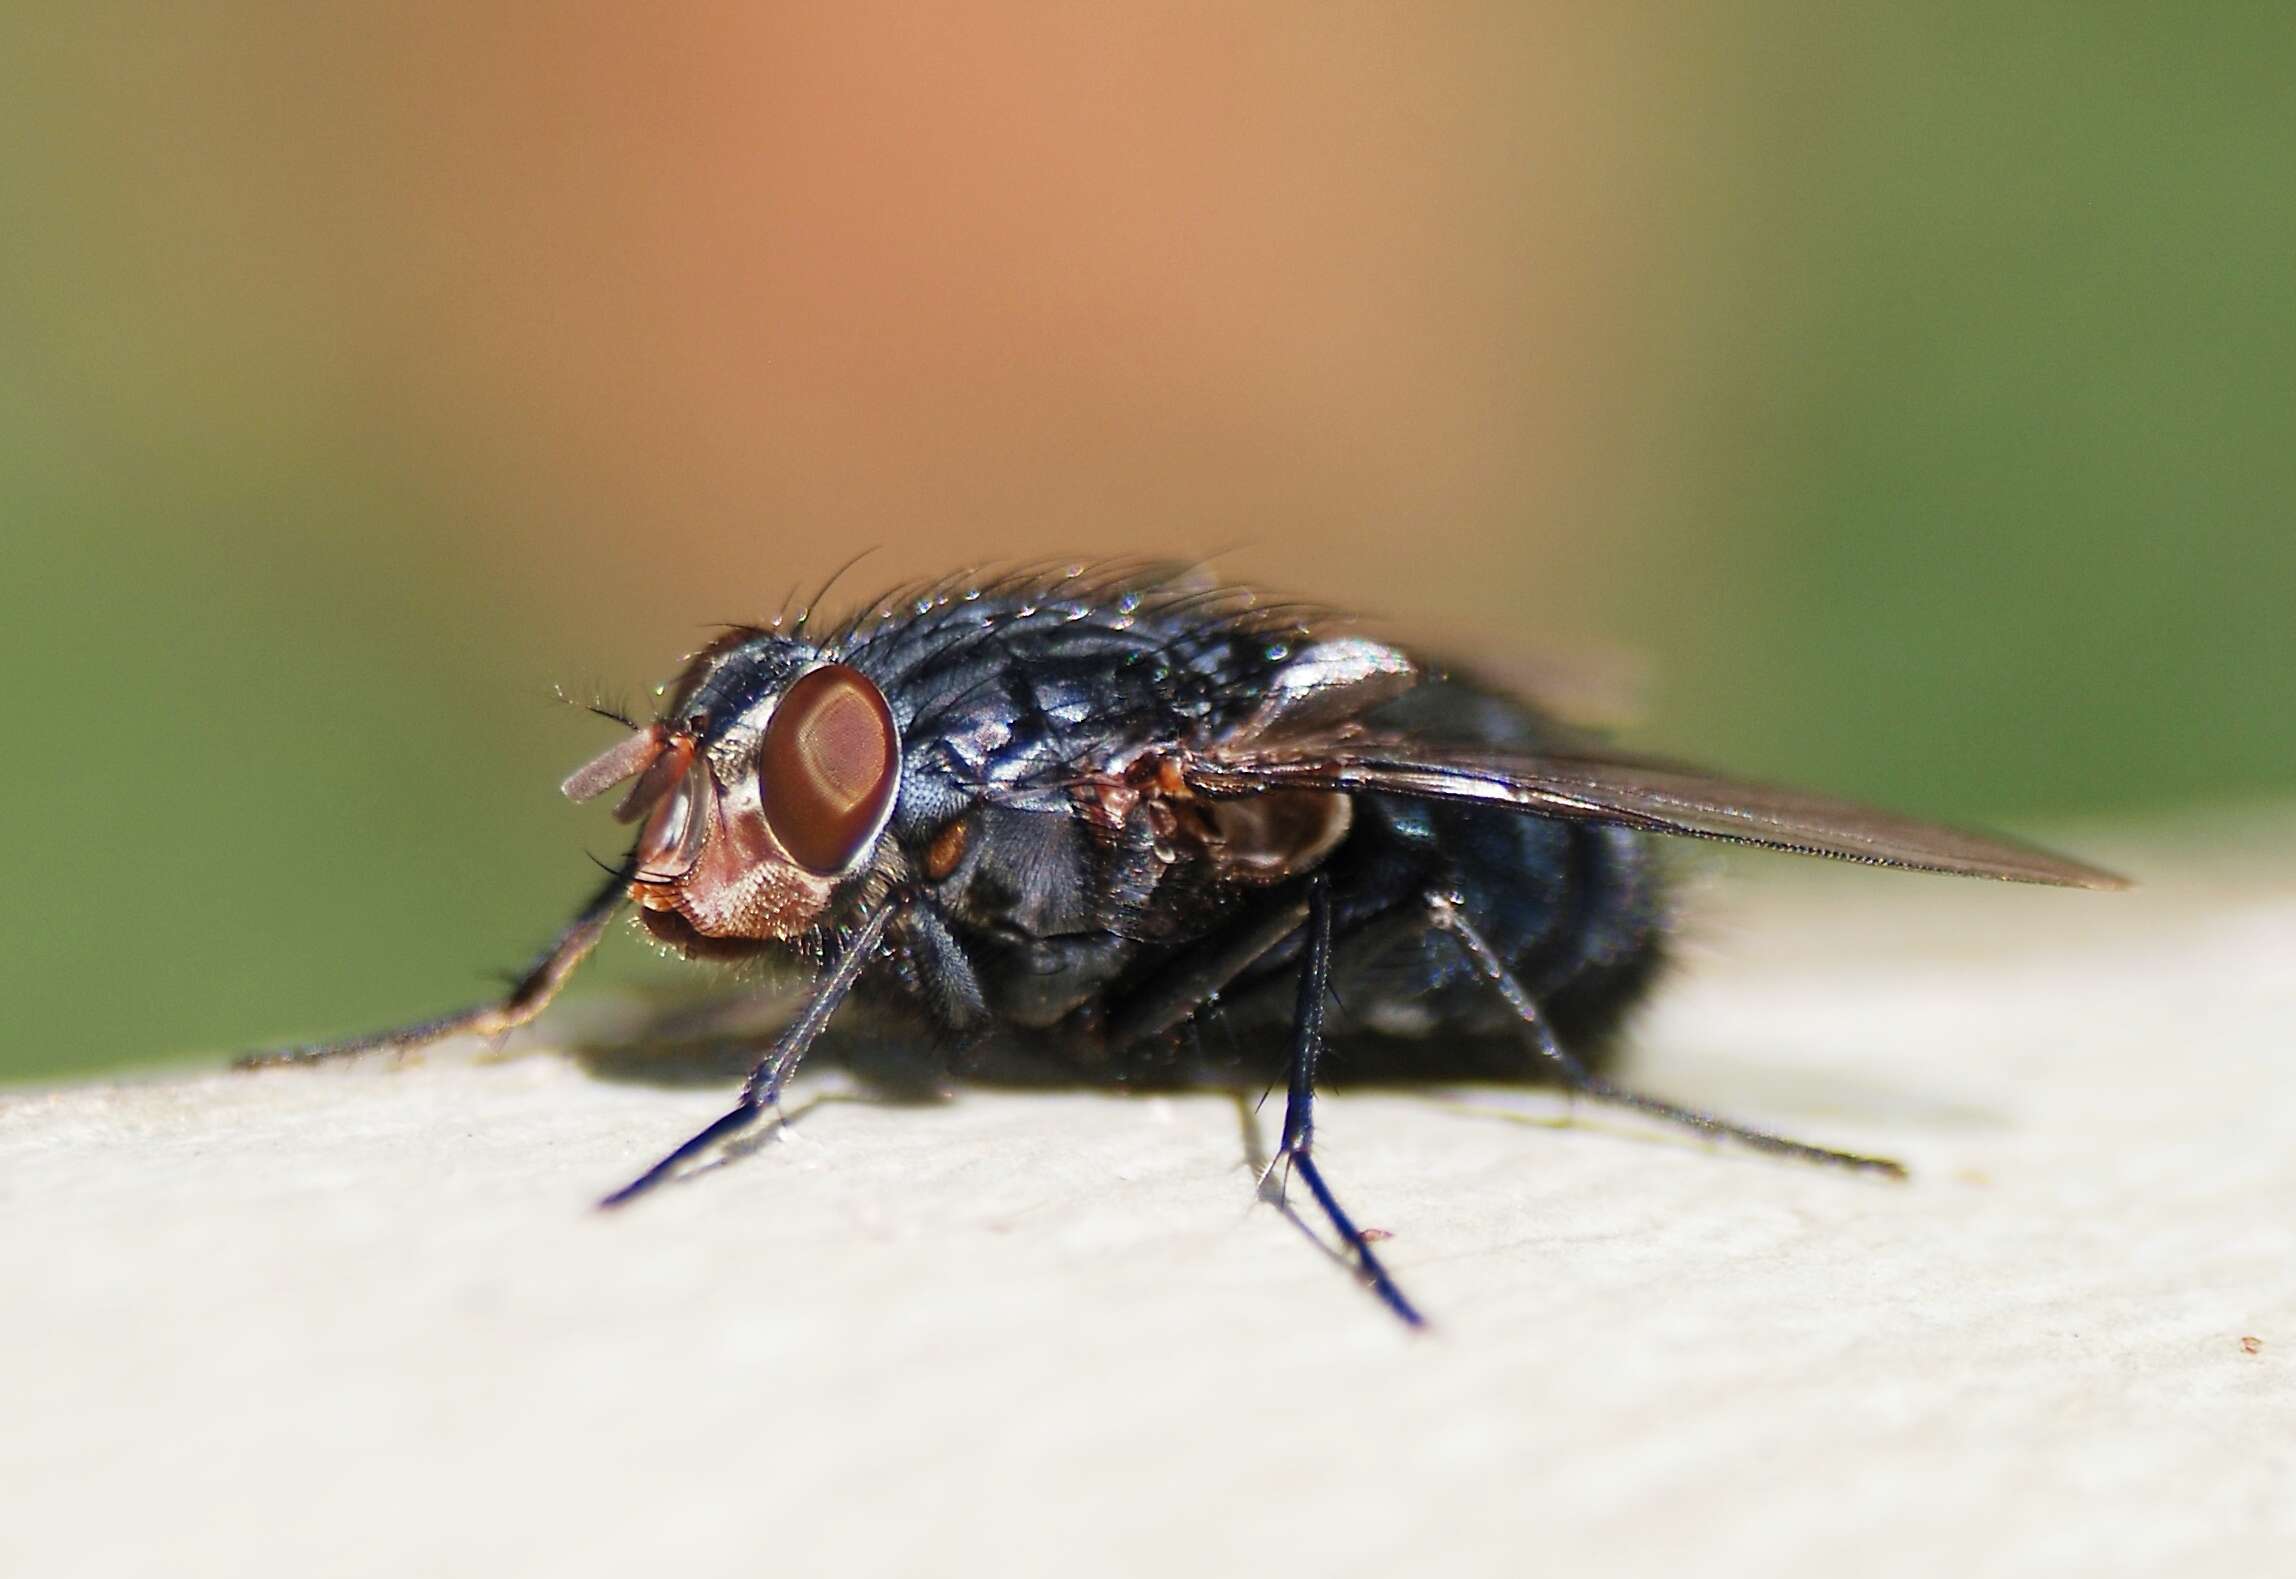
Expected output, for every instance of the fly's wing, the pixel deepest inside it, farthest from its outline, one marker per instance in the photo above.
(1656, 797)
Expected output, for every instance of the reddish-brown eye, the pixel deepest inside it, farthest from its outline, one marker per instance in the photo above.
(828, 768)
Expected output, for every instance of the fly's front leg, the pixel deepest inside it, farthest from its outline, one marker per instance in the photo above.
(528, 996)
(1446, 915)
(1298, 1149)
(762, 1089)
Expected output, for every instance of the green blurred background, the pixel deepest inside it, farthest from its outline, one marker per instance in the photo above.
(1911, 389)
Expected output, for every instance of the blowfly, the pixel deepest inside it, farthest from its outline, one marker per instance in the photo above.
(1097, 811)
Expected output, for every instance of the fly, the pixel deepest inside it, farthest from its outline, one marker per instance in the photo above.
(1094, 810)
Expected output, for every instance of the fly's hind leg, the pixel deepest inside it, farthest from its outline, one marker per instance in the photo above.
(528, 996)
(1446, 915)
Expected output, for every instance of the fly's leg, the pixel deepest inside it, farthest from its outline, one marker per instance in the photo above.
(1176, 997)
(527, 997)
(1196, 980)
(1297, 1153)
(1446, 915)
(762, 1089)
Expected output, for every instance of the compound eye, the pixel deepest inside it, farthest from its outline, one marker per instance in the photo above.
(828, 768)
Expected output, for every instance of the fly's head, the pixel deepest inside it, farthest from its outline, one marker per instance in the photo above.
(768, 780)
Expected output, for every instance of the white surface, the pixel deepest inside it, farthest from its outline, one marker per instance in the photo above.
(360, 1320)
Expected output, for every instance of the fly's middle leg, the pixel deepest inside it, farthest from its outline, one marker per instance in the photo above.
(1185, 991)
(1297, 1153)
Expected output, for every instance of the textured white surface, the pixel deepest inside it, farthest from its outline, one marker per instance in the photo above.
(360, 1321)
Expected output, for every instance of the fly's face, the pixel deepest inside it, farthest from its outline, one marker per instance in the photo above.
(770, 780)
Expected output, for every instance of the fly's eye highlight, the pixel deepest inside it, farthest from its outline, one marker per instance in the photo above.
(828, 768)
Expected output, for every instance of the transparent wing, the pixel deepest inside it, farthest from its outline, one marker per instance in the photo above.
(1657, 797)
